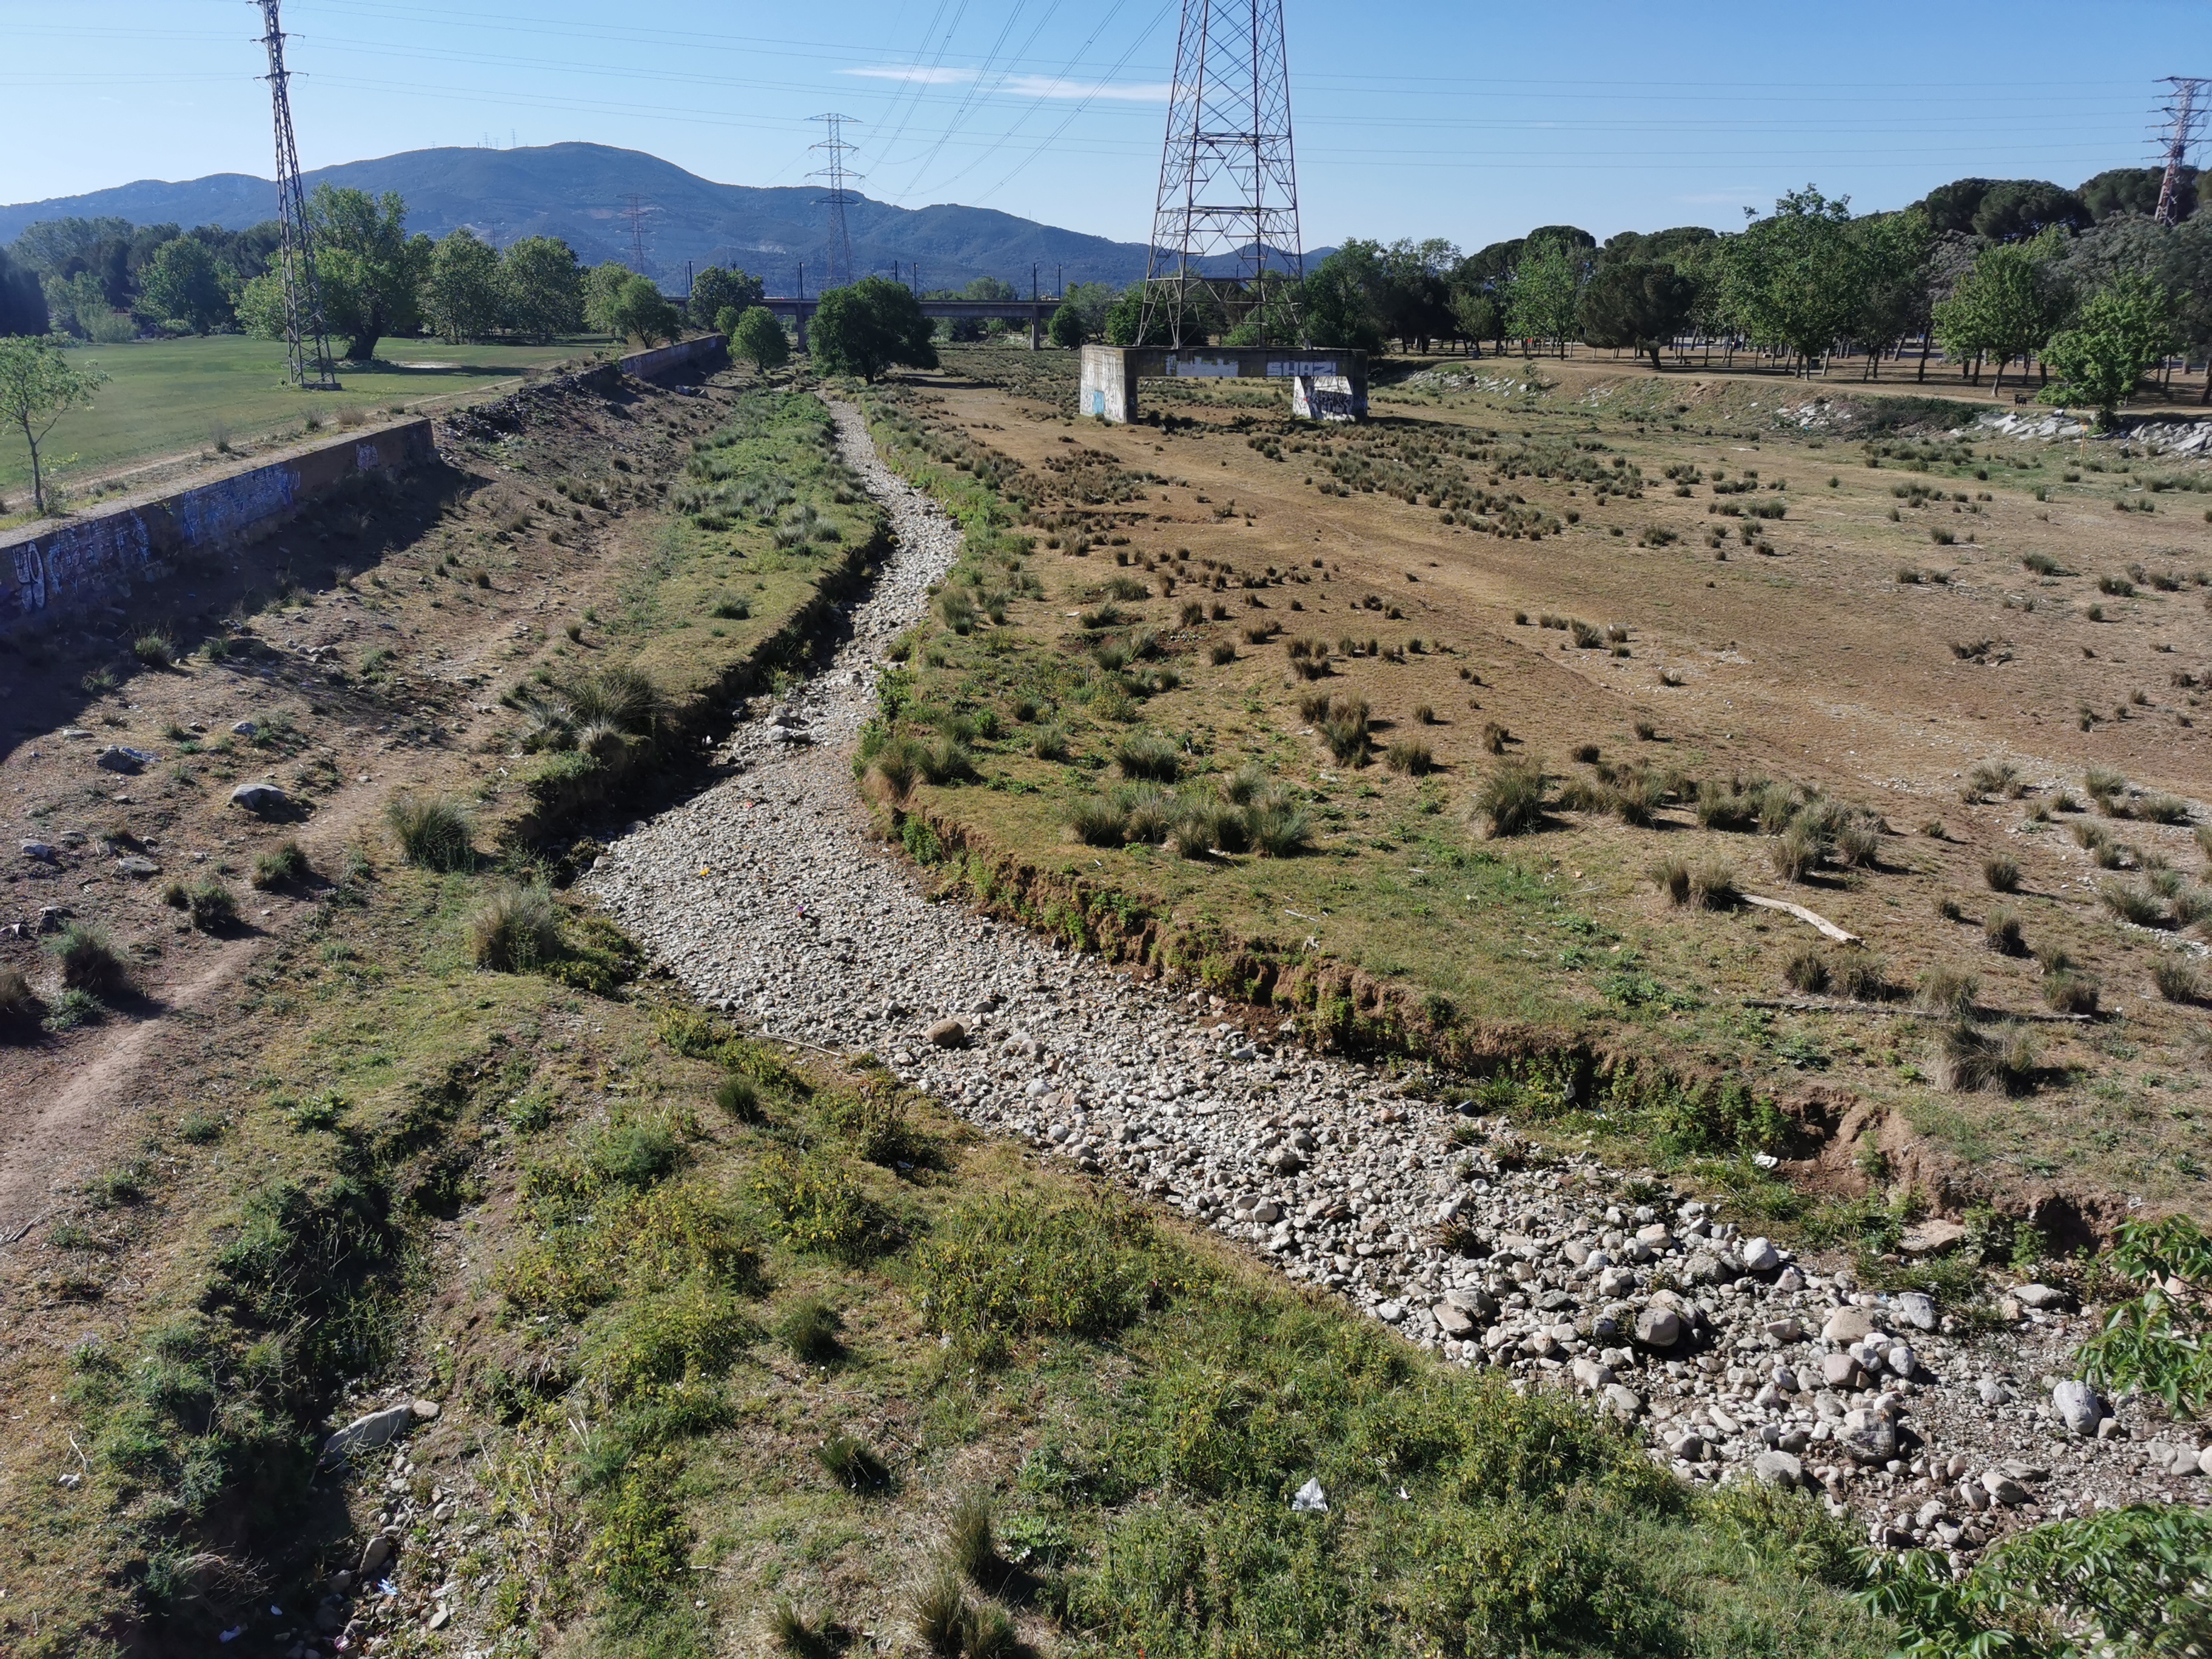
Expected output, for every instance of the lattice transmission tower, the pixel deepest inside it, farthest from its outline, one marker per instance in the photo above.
(306, 337)
(1228, 182)
(838, 198)
(2185, 116)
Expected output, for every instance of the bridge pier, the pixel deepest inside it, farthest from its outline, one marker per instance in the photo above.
(1325, 385)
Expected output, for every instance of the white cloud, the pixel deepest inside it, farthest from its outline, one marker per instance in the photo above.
(915, 72)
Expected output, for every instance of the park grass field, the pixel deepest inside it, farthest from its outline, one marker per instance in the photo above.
(179, 398)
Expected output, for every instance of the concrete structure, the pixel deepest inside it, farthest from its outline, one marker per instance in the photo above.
(1036, 312)
(705, 353)
(56, 570)
(1326, 385)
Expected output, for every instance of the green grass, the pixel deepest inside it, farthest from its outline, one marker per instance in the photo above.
(177, 396)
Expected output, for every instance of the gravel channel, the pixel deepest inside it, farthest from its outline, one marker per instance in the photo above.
(768, 898)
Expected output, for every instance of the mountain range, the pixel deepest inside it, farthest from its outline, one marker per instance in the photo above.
(583, 192)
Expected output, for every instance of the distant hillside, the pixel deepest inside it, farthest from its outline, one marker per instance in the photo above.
(581, 192)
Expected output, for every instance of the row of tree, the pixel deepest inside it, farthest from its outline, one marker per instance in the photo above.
(106, 280)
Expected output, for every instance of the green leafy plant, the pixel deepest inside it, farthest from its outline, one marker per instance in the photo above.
(2156, 1340)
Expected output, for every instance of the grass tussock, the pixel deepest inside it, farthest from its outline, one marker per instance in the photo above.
(515, 928)
(280, 866)
(433, 832)
(1511, 799)
(88, 961)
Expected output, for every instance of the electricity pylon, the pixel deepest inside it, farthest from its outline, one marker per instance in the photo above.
(306, 338)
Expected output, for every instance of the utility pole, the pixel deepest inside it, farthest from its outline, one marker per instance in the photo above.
(1228, 176)
(636, 214)
(306, 338)
(838, 198)
(2184, 115)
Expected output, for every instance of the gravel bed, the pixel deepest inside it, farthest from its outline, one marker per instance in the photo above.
(766, 896)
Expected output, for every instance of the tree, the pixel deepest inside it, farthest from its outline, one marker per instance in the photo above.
(1091, 300)
(183, 287)
(1546, 288)
(755, 335)
(638, 310)
(1124, 319)
(2019, 208)
(2121, 331)
(715, 290)
(602, 286)
(2133, 189)
(461, 293)
(1635, 304)
(1894, 250)
(1951, 206)
(2008, 305)
(1415, 296)
(22, 305)
(1067, 327)
(541, 288)
(38, 385)
(371, 269)
(1341, 305)
(865, 328)
(1794, 280)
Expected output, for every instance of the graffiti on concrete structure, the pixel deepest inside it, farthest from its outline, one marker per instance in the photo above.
(1203, 368)
(217, 512)
(1325, 398)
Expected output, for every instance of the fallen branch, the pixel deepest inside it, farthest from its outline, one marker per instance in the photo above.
(1803, 915)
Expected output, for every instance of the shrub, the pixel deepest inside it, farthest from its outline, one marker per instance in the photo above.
(514, 929)
(939, 1611)
(853, 1465)
(808, 1329)
(1672, 878)
(1049, 742)
(280, 866)
(432, 834)
(1424, 714)
(1222, 654)
(1409, 758)
(1313, 707)
(947, 760)
(212, 907)
(2002, 872)
(1510, 800)
(897, 764)
(1859, 845)
(1278, 829)
(2162, 808)
(1713, 885)
(2132, 902)
(2191, 905)
(969, 1539)
(89, 960)
(19, 1007)
(1149, 756)
(1245, 785)
(1796, 852)
(1806, 971)
(2068, 993)
(1494, 737)
(817, 1207)
(1017, 1264)
(1345, 731)
(1947, 991)
(622, 698)
(1861, 978)
(736, 1096)
(790, 1630)
(154, 650)
(1968, 1061)
(636, 1154)
(1097, 821)
(1196, 829)
(2104, 786)
(2177, 979)
(2001, 932)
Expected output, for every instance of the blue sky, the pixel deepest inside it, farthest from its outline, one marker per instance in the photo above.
(1413, 118)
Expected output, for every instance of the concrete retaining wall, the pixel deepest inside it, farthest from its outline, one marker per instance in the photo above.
(54, 571)
(708, 353)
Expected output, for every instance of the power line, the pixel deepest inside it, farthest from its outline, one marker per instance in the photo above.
(838, 198)
(2185, 113)
(635, 212)
(1229, 181)
(307, 343)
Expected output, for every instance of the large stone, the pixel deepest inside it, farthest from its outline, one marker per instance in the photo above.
(1846, 1326)
(1627, 1403)
(1777, 1468)
(1869, 1435)
(118, 758)
(2078, 1405)
(260, 798)
(1760, 1255)
(1452, 1321)
(1658, 1328)
(2004, 1489)
(366, 1434)
(2042, 1297)
(1917, 1310)
(1992, 1391)
(1841, 1370)
(42, 851)
(375, 1553)
(948, 1034)
(1591, 1373)
(2204, 1462)
(136, 865)
(1931, 1237)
